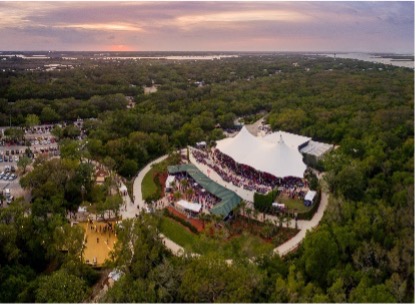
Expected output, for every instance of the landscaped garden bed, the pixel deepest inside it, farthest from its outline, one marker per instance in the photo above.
(240, 237)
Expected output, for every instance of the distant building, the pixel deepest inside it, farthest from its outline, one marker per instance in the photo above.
(150, 90)
(100, 180)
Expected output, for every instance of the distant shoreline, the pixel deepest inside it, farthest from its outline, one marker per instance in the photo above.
(388, 59)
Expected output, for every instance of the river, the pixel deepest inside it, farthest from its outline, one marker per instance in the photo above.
(374, 58)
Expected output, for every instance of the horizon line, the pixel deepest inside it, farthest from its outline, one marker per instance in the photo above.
(208, 51)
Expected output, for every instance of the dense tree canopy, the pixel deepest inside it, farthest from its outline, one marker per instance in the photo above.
(363, 250)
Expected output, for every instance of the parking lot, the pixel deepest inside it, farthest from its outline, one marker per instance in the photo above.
(40, 141)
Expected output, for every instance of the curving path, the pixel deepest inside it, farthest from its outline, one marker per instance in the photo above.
(134, 207)
(285, 248)
(304, 226)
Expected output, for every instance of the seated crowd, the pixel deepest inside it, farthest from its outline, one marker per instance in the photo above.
(244, 176)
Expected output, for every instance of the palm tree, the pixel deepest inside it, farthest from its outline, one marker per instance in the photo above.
(204, 218)
(241, 208)
(173, 185)
(281, 218)
(255, 214)
(177, 195)
(248, 212)
(189, 193)
(183, 183)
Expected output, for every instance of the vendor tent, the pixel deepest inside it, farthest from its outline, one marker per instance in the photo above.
(82, 209)
(309, 197)
(279, 205)
(194, 207)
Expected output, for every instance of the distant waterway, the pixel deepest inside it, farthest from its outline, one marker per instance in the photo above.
(374, 58)
(39, 57)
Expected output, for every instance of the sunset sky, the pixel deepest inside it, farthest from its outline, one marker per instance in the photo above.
(208, 26)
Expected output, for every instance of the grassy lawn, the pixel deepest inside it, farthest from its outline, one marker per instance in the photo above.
(294, 204)
(178, 234)
(243, 245)
(148, 186)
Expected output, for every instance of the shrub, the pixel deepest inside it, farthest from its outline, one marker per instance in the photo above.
(263, 203)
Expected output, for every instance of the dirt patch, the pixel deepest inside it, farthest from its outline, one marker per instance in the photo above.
(162, 177)
(197, 223)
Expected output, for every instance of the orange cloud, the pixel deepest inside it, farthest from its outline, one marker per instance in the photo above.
(120, 48)
(254, 15)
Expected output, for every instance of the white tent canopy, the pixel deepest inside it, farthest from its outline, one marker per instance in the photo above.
(194, 207)
(275, 158)
(292, 140)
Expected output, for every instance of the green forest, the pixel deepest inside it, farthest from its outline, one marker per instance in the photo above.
(363, 250)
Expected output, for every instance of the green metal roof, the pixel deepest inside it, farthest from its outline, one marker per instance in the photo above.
(229, 199)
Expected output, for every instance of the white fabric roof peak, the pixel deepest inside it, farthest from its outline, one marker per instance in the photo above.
(275, 158)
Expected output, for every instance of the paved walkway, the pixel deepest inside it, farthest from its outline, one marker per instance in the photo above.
(134, 207)
(304, 226)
